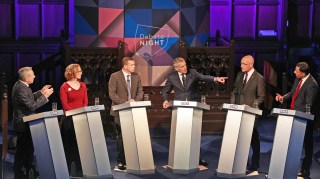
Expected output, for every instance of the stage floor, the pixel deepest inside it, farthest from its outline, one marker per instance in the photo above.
(210, 149)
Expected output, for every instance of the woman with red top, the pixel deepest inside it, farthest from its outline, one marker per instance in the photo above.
(73, 95)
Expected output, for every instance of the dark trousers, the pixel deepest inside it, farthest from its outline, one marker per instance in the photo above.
(23, 157)
(70, 143)
(120, 150)
(255, 144)
(308, 147)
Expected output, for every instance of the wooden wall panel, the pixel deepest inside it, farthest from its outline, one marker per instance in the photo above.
(264, 56)
(6, 61)
(220, 18)
(28, 20)
(316, 21)
(244, 20)
(28, 59)
(53, 20)
(304, 25)
(267, 17)
(6, 21)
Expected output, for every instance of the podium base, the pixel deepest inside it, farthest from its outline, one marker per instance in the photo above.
(297, 177)
(238, 175)
(99, 177)
(227, 175)
(180, 171)
(140, 172)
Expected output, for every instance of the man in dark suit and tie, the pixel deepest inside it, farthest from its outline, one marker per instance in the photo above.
(25, 103)
(304, 92)
(249, 89)
(184, 84)
(124, 86)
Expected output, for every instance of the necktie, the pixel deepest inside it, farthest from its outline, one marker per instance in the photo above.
(245, 79)
(129, 87)
(183, 80)
(295, 95)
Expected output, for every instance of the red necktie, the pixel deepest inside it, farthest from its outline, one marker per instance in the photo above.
(295, 95)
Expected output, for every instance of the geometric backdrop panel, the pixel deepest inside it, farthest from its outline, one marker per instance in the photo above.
(150, 29)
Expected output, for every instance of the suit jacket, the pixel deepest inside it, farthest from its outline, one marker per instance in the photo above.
(118, 91)
(254, 90)
(24, 103)
(307, 94)
(184, 93)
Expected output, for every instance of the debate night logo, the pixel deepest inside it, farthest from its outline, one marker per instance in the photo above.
(150, 39)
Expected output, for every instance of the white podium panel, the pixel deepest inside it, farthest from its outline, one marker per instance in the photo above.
(136, 137)
(47, 142)
(236, 140)
(288, 143)
(185, 136)
(91, 141)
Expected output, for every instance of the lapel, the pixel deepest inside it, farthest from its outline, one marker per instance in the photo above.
(188, 79)
(133, 82)
(303, 85)
(123, 80)
(252, 77)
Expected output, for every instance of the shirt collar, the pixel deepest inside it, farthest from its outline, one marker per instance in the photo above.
(125, 74)
(250, 72)
(305, 78)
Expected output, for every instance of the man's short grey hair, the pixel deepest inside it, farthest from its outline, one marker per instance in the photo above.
(176, 61)
(24, 72)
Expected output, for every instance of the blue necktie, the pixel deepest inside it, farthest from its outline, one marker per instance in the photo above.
(129, 87)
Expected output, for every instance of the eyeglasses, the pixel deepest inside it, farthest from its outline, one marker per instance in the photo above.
(245, 64)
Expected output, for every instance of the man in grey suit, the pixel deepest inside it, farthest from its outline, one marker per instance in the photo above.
(249, 89)
(124, 86)
(304, 92)
(25, 103)
(184, 84)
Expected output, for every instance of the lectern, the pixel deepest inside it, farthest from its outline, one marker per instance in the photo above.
(136, 136)
(47, 142)
(185, 136)
(288, 143)
(91, 141)
(236, 140)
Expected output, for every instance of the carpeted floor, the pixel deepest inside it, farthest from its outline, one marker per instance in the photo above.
(210, 149)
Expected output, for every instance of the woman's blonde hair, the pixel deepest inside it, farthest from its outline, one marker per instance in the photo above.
(71, 70)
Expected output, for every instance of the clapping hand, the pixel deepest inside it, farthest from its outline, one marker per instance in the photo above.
(45, 87)
(47, 91)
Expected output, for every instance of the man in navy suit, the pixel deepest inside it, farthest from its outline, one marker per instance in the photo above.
(303, 92)
(184, 84)
(249, 88)
(25, 103)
